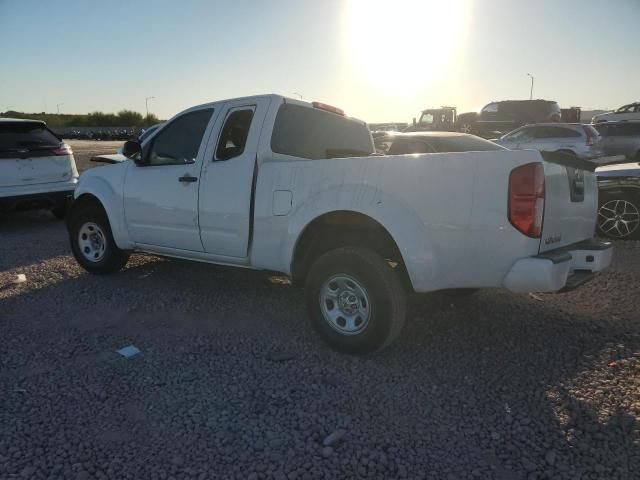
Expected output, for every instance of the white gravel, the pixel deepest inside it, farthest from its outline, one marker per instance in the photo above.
(231, 382)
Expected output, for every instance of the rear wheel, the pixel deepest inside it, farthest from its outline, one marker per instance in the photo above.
(619, 216)
(92, 242)
(356, 300)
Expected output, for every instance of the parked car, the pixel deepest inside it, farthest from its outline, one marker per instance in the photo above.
(283, 185)
(620, 138)
(37, 169)
(501, 117)
(438, 142)
(573, 138)
(624, 113)
(619, 201)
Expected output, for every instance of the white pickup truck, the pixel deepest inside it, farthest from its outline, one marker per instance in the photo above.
(272, 183)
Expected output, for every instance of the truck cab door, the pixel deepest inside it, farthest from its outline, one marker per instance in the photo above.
(161, 193)
(225, 198)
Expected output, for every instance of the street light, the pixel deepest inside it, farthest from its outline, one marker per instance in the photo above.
(300, 95)
(146, 104)
(531, 93)
(58, 105)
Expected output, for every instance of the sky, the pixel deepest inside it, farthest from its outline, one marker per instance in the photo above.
(378, 60)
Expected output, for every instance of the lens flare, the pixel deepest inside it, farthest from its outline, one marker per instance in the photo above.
(403, 45)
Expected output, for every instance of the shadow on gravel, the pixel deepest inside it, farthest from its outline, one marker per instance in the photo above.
(516, 354)
(30, 237)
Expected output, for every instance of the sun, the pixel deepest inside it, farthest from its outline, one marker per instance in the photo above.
(402, 45)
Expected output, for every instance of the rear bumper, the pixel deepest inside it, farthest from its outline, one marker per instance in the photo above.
(559, 270)
(35, 200)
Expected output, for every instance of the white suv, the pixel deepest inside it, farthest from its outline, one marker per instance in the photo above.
(626, 112)
(37, 170)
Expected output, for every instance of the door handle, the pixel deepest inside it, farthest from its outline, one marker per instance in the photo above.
(187, 179)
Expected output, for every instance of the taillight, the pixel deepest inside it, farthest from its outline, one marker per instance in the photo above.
(589, 142)
(62, 149)
(526, 199)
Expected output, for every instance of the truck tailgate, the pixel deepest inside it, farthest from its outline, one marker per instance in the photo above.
(570, 207)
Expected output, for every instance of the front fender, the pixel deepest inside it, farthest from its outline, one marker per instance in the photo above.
(112, 202)
(409, 232)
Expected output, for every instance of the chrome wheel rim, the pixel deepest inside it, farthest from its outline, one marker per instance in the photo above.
(618, 218)
(92, 242)
(466, 128)
(345, 305)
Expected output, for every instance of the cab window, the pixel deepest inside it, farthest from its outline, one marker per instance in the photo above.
(178, 143)
(491, 108)
(234, 134)
(426, 119)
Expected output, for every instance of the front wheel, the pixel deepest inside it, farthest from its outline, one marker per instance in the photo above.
(92, 242)
(356, 300)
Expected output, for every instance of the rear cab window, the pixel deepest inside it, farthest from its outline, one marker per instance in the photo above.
(315, 134)
(29, 136)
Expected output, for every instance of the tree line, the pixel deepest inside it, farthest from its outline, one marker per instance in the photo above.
(124, 118)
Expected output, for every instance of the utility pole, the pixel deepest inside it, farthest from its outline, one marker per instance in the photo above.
(146, 104)
(531, 92)
(58, 105)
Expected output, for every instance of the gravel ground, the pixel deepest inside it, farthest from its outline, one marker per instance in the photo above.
(83, 150)
(231, 382)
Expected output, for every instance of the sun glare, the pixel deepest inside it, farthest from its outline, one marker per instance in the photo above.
(402, 45)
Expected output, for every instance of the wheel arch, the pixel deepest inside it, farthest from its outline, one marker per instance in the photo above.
(97, 190)
(343, 228)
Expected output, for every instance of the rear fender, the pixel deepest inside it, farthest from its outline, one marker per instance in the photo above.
(396, 216)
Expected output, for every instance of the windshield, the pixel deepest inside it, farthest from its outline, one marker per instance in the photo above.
(463, 143)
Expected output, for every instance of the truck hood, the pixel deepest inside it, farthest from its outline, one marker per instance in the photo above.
(113, 158)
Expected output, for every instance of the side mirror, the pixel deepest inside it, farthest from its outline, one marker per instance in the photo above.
(132, 149)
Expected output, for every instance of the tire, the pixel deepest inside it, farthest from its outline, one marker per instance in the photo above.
(466, 128)
(619, 216)
(59, 212)
(367, 311)
(92, 242)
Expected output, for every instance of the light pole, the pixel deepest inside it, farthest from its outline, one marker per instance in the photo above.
(58, 105)
(531, 93)
(146, 104)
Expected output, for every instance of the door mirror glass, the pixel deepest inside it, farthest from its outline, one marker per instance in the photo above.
(132, 150)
